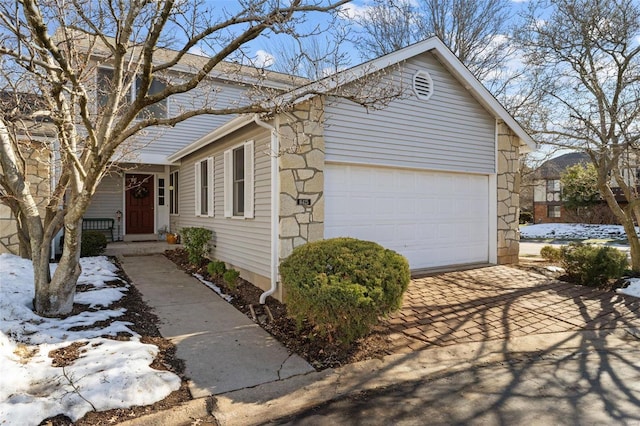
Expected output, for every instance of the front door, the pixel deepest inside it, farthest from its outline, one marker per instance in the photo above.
(139, 204)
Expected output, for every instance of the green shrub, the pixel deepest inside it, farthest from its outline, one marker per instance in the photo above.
(342, 286)
(93, 243)
(593, 265)
(216, 268)
(551, 253)
(231, 278)
(196, 242)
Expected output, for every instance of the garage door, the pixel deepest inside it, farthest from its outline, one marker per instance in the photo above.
(434, 219)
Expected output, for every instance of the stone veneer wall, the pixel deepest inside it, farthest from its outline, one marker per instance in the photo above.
(508, 195)
(301, 165)
(38, 164)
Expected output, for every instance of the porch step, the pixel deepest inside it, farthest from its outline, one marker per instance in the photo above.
(129, 248)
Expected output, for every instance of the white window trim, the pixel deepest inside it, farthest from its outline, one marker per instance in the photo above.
(249, 184)
(174, 193)
(198, 185)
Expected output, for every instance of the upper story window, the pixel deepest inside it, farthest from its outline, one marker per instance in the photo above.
(173, 192)
(553, 190)
(104, 78)
(238, 181)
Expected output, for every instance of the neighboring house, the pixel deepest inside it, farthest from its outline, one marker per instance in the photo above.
(547, 197)
(432, 176)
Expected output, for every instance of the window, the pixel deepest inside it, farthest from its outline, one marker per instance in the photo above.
(173, 192)
(553, 211)
(204, 187)
(161, 192)
(103, 90)
(238, 181)
(553, 190)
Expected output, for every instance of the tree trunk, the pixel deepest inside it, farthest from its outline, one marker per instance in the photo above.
(625, 216)
(54, 295)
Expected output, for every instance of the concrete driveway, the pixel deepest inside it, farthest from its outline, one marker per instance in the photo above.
(501, 302)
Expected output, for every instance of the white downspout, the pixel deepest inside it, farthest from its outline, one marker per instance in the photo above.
(275, 204)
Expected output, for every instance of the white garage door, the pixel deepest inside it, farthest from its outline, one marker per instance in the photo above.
(434, 219)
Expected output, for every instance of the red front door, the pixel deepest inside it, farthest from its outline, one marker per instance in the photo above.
(139, 204)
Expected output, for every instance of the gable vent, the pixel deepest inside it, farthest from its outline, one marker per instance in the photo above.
(422, 85)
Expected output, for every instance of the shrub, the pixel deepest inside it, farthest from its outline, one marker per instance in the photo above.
(342, 286)
(231, 278)
(551, 253)
(216, 268)
(92, 243)
(593, 265)
(526, 217)
(196, 242)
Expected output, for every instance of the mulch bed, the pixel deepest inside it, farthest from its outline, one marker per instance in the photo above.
(315, 349)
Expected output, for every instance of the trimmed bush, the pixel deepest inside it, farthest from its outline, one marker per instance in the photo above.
(526, 217)
(593, 265)
(551, 254)
(196, 243)
(231, 278)
(216, 268)
(93, 243)
(342, 286)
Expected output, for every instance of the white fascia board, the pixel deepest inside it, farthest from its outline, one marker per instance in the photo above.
(148, 158)
(229, 127)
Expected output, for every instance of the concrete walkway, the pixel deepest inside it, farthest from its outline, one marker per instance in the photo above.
(223, 349)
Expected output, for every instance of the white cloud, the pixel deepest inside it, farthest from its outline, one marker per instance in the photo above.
(353, 11)
(263, 59)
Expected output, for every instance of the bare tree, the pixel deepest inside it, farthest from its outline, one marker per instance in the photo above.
(588, 54)
(54, 48)
(476, 31)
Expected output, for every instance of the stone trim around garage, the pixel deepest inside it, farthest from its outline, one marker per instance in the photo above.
(301, 170)
(508, 192)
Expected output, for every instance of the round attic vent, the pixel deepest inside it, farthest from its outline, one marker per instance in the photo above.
(422, 85)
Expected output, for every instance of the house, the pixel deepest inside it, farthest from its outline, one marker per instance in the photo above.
(548, 205)
(433, 175)
(547, 197)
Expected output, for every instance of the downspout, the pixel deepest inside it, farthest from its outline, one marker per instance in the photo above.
(275, 204)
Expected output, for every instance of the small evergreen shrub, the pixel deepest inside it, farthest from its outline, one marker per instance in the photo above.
(196, 243)
(92, 243)
(593, 265)
(342, 286)
(216, 268)
(551, 254)
(231, 278)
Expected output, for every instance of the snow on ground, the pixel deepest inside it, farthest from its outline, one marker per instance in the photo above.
(108, 374)
(633, 289)
(569, 231)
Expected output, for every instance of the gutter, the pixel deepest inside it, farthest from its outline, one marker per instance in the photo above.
(275, 204)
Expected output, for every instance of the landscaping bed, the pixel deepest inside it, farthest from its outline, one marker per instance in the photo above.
(315, 349)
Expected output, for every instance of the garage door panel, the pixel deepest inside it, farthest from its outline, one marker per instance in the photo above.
(432, 218)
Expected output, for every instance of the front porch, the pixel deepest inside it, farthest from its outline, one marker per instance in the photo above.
(138, 248)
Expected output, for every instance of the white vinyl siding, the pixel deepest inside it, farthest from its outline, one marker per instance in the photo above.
(450, 132)
(108, 199)
(204, 181)
(238, 181)
(245, 244)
